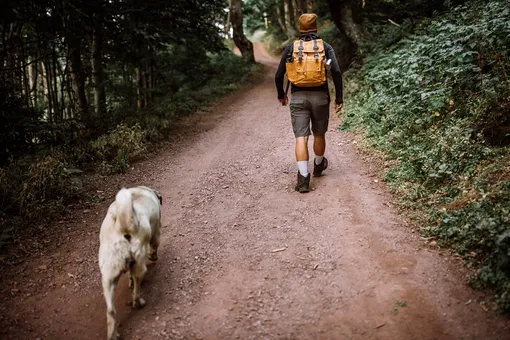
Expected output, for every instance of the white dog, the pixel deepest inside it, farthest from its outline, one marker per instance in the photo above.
(131, 226)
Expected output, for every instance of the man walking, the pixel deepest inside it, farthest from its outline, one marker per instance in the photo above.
(305, 62)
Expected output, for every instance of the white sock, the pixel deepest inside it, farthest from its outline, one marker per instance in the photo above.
(303, 168)
(318, 159)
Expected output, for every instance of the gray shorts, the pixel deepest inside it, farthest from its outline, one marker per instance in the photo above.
(306, 107)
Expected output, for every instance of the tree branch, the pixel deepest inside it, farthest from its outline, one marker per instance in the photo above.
(393, 22)
(131, 10)
(25, 65)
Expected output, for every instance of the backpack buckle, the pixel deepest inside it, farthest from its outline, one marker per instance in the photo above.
(300, 53)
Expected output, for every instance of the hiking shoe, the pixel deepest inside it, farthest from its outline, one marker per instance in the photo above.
(319, 168)
(303, 183)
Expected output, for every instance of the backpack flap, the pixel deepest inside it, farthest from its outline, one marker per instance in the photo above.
(306, 68)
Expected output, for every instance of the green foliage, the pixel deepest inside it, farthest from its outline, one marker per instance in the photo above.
(399, 10)
(398, 305)
(20, 123)
(30, 181)
(32, 187)
(225, 73)
(156, 66)
(331, 34)
(119, 146)
(437, 103)
(45, 179)
(253, 13)
(37, 185)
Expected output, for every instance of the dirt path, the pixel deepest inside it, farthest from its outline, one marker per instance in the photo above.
(351, 269)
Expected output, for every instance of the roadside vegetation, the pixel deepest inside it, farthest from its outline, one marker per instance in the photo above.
(93, 87)
(435, 99)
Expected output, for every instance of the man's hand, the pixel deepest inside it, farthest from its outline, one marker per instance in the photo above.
(284, 101)
(338, 107)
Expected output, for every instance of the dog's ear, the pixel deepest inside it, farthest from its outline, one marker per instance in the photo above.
(158, 194)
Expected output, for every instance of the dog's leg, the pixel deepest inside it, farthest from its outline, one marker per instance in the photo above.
(108, 291)
(138, 272)
(130, 280)
(130, 273)
(156, 233)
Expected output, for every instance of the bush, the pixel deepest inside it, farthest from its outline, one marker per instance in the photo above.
(225, 72)
(119, 146)
(20, 125)
(438, 104)
(29, 186)
(344, 51)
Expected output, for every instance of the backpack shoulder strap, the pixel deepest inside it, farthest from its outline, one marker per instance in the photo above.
(315, 49)
(300, 53)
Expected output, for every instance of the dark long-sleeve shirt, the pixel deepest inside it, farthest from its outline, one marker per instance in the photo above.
(335, 73)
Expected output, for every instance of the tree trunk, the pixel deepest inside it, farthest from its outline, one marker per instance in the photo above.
(226, 28)
(70, 109)
(309, 6)
(341, 11)
(61, 73)
(291, 31)
(32, 81)
(139, 88)
(150, 81)
(153, 80)
(97, 67)
(26, 83)
(56, 105)
(147, 91)
(41, 85)
(279, 16)
(236, 18)
(77, 80)
(296, 9)
(47, 88)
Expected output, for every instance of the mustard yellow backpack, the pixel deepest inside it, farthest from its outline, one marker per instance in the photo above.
(306, 66)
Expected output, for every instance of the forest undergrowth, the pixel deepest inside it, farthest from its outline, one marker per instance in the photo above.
(436, 103)
(43, 180)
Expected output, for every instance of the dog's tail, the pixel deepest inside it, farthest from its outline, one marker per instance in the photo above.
(125, 213)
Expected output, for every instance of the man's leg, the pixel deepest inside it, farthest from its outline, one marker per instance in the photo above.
(319, 147)
(320, 122)
(302, 155)
(300, 114)
(303, 177)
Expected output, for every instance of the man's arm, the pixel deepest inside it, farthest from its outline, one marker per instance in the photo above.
(280, 74)
(335, 73)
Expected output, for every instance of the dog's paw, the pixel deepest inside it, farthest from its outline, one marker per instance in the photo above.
(139, 303)
(153, 256)
(115, 336)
